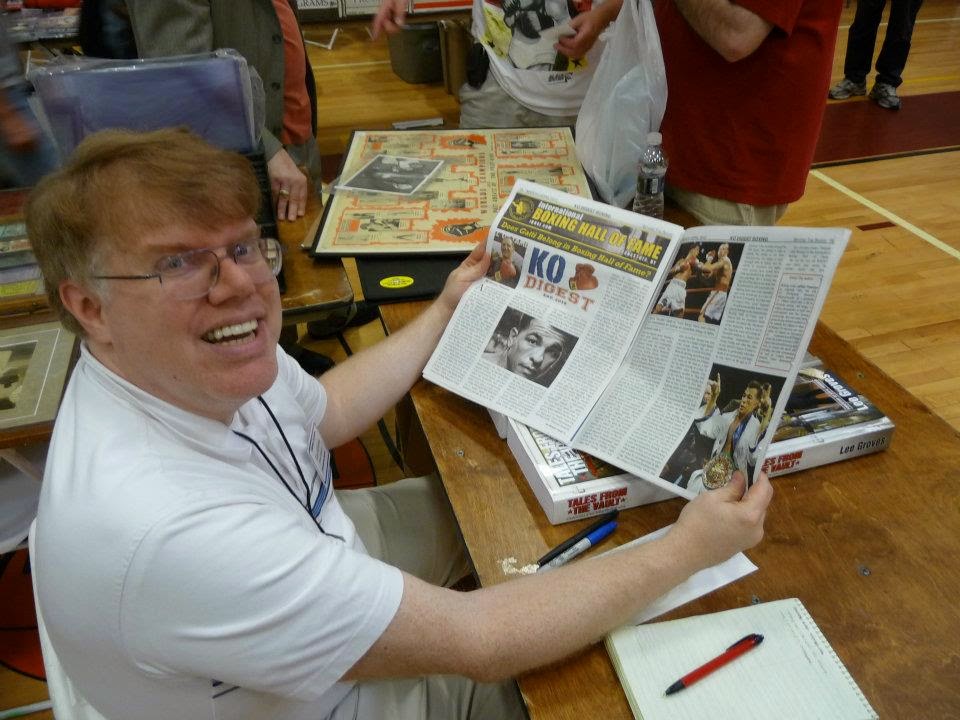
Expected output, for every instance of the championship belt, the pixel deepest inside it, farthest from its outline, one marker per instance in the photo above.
(718, 471)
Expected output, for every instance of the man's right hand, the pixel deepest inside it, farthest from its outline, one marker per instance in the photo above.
(717, 524)
(390, 18)
(464, 275)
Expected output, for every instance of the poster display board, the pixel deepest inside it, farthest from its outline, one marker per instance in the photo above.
(454, 209)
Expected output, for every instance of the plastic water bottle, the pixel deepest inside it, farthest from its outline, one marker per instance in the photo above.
(653, 166)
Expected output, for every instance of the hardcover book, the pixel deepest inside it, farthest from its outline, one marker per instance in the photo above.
(825, 420)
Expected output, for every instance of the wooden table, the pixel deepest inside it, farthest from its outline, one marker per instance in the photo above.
(314, 287)
(871, 546)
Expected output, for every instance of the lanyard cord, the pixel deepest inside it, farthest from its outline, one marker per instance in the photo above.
(279, 475)
(293, 455)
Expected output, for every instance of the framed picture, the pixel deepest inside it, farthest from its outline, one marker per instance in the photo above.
(34, 363)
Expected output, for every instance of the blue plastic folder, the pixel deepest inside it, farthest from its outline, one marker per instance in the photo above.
(210, 93)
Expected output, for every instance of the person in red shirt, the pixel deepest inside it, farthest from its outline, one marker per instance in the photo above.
(747, 85)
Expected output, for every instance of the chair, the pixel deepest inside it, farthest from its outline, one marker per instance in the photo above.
(21, 470)
(68, 704)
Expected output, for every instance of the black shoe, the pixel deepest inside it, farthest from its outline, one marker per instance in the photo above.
(360, 313)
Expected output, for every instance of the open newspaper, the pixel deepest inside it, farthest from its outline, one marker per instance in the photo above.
(668, 353)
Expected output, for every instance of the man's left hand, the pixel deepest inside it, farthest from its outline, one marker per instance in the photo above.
(289, 186)
(469, 271)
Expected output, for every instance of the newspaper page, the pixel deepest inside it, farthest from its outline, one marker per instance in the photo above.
(540, 337)
(702, 387)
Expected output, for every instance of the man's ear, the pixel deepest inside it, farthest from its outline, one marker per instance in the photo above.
(87, 307)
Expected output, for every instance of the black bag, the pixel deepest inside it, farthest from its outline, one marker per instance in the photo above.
(478, 64)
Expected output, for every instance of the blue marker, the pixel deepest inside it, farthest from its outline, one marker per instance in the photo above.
(581, 546)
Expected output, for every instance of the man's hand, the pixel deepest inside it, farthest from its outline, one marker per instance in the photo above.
(390, 18)
(725, 521)
(587, 28)
(470, 270)
(713, 393)
(289, 186)
(765, 407)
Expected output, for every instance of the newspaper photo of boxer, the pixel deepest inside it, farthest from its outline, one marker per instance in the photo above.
(529, 347)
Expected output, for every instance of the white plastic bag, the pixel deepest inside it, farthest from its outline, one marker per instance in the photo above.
(625, 101)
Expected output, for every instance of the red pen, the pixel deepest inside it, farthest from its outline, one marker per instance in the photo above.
(731, 653)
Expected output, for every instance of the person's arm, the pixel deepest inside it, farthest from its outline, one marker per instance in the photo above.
(499, 632)
(390, 18)
(714, 394)
(588, 27)
(764, 415)
(18, 133)
(362, 389)
(731, 30)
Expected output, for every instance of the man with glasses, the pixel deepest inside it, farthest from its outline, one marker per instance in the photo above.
(191, 559)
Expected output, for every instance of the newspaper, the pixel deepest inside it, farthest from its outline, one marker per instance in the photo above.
(668, 353)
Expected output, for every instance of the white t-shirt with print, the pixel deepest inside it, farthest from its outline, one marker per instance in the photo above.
(519, 36)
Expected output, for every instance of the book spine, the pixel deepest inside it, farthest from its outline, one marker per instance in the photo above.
(784, 458)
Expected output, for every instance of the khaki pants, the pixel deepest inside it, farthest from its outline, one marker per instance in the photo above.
(409, 524)
(715, 211)
(489, 106)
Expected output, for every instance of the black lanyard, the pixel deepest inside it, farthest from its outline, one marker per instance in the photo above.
(276, 471)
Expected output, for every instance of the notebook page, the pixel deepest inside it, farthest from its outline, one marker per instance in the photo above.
(699, 584)
(793, 673)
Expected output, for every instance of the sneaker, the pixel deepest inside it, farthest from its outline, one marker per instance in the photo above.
(847, 88)
(885, 96)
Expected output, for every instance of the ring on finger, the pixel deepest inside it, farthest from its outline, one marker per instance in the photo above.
(283, 192)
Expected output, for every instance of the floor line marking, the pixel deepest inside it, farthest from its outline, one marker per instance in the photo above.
(897, 220)
(925, 21)
(318, 67)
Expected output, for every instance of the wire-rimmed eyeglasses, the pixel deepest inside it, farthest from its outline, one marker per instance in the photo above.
(193, 274)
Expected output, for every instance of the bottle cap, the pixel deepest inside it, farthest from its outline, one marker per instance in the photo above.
(654, 138)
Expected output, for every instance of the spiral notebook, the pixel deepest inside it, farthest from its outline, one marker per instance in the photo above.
(793, 673)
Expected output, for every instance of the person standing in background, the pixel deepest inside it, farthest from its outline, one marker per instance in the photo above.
(267, 33)
(861, 39)
(531, 62)
(26, 153)
(747, 83)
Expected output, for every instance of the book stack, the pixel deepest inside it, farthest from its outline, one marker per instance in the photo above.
(19, 272)
(825, 421)
(571, 485)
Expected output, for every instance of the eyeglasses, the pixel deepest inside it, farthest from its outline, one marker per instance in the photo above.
(193, 274)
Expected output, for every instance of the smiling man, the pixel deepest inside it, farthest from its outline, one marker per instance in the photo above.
(191, 557)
